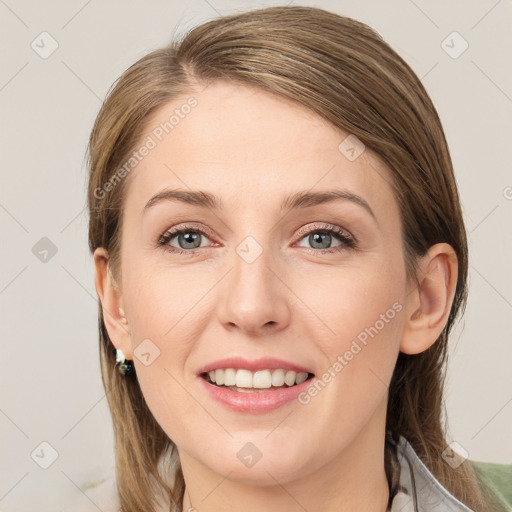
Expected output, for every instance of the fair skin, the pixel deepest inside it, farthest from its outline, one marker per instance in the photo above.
(295, 301)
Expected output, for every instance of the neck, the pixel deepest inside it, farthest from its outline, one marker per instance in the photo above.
(354, 480)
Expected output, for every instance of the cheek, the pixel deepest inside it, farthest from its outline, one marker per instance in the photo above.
(360, 302)
(165, 305)
(176, 410)
(165, 322)
(360, 313)
(366, 319)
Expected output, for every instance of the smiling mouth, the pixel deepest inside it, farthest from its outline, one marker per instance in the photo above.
(263, 380)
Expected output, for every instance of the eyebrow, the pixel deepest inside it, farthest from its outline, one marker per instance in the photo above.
(301, 199)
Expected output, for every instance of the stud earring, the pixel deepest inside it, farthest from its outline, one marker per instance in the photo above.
(124, 366)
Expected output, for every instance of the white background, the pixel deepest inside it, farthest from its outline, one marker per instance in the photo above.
(50, 381)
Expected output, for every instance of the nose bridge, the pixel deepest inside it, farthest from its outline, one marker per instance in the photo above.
(253, 296)
(252, 260)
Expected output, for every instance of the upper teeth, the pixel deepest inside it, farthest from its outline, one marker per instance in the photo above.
(261, 379)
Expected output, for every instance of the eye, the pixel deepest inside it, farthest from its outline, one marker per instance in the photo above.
(188, 239)
(320, 237)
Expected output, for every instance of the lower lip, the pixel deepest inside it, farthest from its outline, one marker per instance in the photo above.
(256, 402)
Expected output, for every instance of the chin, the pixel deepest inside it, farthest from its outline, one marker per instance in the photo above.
(260, 464)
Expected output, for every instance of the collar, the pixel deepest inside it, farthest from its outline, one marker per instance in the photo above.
(430, 495)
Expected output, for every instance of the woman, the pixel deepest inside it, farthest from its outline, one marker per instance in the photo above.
(280, 256)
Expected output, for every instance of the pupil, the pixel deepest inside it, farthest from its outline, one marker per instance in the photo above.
(190, 238)
(319, 237)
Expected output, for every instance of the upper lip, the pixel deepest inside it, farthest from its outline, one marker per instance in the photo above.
(264, 363)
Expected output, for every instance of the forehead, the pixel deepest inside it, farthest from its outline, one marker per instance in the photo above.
(250, 147)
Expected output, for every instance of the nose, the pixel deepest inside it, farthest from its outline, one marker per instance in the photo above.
(254, 296)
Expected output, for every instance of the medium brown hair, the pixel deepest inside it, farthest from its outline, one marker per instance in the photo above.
(342, 70)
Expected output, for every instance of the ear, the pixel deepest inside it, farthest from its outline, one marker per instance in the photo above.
(428, 304)
(112, 304)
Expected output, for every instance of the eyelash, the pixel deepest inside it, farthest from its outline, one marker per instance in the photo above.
(342, 235)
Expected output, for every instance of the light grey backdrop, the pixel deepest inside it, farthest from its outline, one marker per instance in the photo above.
(58, 61)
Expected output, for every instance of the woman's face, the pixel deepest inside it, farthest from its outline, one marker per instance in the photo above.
(258, 285)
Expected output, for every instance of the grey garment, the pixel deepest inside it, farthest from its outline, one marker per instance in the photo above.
(431, 496)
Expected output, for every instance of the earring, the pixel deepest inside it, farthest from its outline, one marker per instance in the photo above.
(125, 367)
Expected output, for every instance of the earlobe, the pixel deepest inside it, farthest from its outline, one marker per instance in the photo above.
(112, 303)
(428, 305)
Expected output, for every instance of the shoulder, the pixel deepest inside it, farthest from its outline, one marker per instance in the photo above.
(497, 479)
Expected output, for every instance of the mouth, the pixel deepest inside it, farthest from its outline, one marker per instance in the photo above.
(256, 386)
(246, 381)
